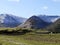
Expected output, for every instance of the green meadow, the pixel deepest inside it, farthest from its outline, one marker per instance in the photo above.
(30, 38)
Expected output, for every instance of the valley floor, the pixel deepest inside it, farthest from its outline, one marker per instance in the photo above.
(30, 39)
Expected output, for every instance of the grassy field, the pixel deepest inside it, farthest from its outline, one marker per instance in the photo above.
(31, 38)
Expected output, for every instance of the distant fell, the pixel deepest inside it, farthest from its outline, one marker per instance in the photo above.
(8, 20)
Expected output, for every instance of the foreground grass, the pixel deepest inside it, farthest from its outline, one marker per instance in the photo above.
(30, 39)
(12, 36)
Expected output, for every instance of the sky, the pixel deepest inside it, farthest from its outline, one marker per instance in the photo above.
(27, 8)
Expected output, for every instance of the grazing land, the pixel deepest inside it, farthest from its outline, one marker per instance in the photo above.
(31, 38)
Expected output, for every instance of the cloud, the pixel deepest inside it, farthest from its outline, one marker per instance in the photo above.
(14, 0)
(45, 7)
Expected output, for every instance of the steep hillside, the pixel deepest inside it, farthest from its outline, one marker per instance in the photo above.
(55, 27)
(37, 22)
(49, 19)
(8, 20)
(34, 22)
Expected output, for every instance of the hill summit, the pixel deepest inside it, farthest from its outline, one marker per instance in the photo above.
(37, 22)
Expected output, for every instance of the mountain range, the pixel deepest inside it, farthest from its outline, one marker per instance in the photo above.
(55, 27)
(37, 22)
(8, 20)
(34, 22)
(49, 19)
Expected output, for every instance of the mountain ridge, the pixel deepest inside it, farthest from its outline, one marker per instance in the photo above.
(55, 27)
(7, 20)
(39, 21)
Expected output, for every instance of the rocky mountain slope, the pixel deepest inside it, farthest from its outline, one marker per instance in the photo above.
(55, 27)
(37, 22)
(8, 20)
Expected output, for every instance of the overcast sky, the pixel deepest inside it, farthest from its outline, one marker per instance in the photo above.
(27, 8)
